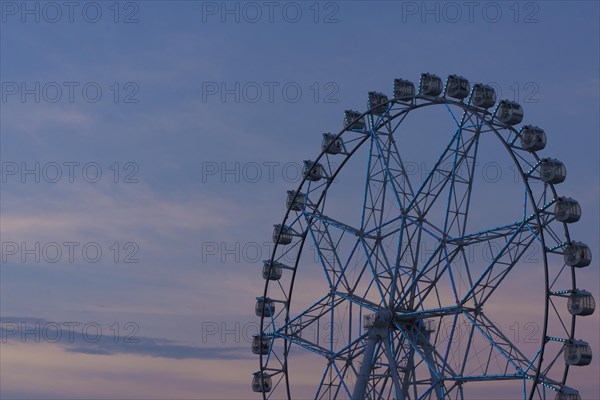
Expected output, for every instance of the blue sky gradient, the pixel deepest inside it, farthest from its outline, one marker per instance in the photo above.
(192, 180)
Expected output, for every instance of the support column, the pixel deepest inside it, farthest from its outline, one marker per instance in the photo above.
(360, 389)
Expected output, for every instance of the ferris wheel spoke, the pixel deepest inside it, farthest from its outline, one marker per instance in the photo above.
(306, 345)
(456, 153)
(427, 186)
(407, 260)
(304, 329)
(372, 193)
(464, 153)
(412, 286)
(460, 187)
(501, 345)
(332, 382)
(485, 378)
(331, 222)
(458, 124)
(309, 317)
(399, 271)
(509, 254)
(327, 253)
(420, 341)
(375, 266)
(421, 346)
(489, 234)
(404, 244)
(384, 269)
(387, 185)
(385, 174)
(438, 270)
(392, 165)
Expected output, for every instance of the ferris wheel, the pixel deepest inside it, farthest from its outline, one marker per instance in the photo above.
(389, 284)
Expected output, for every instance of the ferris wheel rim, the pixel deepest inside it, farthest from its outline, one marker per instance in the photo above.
(428, 101)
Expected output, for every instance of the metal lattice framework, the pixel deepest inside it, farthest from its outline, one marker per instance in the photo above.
(400, 325)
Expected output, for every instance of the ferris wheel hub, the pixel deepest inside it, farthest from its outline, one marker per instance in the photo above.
(379, 319)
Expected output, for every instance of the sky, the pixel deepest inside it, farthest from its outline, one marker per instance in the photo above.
(146, 148)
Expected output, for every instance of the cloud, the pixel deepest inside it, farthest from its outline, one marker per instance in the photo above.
(46, 371)
(86, 339)
(134, 211)
(30, 120)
